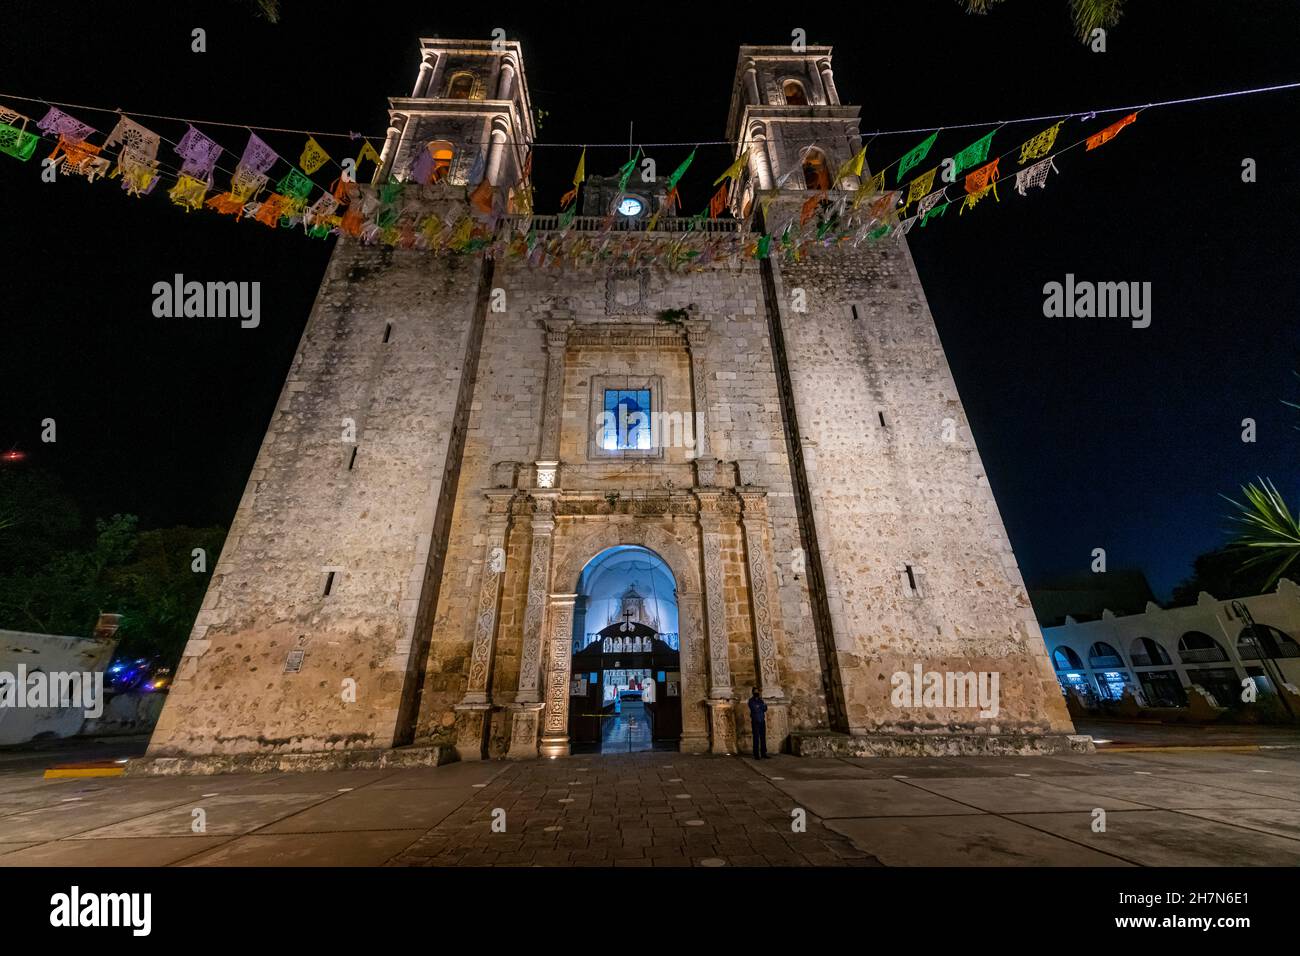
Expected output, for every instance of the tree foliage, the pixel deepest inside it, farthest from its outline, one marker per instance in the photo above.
(1088, 15)
(1268, 533)
(57, 578)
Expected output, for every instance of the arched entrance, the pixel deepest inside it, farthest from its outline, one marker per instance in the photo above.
(625, 692)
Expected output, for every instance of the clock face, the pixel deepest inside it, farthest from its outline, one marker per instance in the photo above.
(630, 206)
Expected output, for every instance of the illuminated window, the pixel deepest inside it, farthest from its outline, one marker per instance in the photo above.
(442, 154)
(460, 87)
(626, 422)
(815, 174)
(794, 93)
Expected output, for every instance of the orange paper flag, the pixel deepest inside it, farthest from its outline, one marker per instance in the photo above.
(1110, 132)
(718, 202)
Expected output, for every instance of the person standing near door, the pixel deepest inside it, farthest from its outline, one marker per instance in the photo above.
(758, 724)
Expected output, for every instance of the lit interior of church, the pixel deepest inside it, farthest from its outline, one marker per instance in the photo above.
(626, 673)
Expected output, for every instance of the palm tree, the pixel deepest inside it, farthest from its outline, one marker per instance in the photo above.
(1088, 15)
(1267, 526)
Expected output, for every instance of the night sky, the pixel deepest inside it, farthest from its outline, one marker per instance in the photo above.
(1094, 434)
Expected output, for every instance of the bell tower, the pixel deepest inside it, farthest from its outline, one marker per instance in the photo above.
(786, 111)
(468, 116)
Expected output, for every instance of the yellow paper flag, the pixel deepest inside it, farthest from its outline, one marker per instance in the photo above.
(732, 171)
(314, 156)
(367, 152)
(579, 175)
(852, 166)
(920, 186)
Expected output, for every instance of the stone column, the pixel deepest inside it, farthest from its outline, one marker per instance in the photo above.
(528, 697)
(697, 340)
(496, 152)
(427, 63)
(720, 692)
(389, 154)
(751, 83)
(828, 83)
(473, 710)
(753, 520)
(760, 160)
(555, 725)
(434, 90)
(557, 341)
(766, 614)
(690, 628)
(506, 81)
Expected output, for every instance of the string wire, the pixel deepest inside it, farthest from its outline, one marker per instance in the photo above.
(352, 135)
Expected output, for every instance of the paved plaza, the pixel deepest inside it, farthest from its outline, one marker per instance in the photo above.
(1212, 807)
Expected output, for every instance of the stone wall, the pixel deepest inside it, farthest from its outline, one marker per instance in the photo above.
(613, 328)
(316, 502)
(454, 408)
(895, 481)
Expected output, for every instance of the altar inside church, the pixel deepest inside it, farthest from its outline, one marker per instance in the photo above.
(625, 692)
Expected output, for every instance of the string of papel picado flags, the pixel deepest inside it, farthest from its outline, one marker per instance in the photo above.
(427, 210)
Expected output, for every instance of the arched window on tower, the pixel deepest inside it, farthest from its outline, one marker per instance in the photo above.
(794, 93)
(815, 173)
(442, 153)
(460, 86)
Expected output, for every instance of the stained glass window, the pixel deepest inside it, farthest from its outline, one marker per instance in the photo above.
(626, 422)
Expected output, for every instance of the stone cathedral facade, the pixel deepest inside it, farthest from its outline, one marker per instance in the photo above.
(404, 566)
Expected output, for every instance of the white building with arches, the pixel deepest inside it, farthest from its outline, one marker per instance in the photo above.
(1163, 651)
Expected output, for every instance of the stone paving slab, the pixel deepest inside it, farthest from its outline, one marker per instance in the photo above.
(982, 840)
(140, 851)
(352, 848)
(1008, 766)
(870, 798)
(228, 814)
(451, 776)
(1280, 822)
(1022, 795)
(1269, 785)
(67, 819)
(1166, 838)
(1172, 793)
(812, 768)
(12, 785)
(372, 810)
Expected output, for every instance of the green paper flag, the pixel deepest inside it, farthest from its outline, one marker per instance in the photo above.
(294, 184)
(625, 171)
(17, 142)
(974, 154)
(764, 244)
(934, 213)
(680, 171)
(916, 155)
